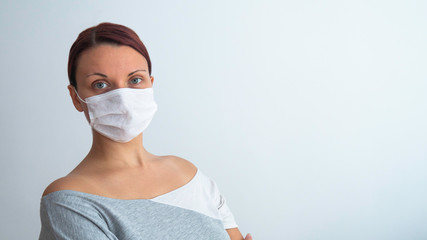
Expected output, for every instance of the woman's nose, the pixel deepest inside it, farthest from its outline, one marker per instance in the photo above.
(120, 84)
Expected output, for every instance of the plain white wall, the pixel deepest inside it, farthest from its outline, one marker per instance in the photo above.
(310, 115)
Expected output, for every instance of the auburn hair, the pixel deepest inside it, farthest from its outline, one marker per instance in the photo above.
(104, 33)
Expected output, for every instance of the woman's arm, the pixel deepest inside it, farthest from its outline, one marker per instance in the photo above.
(236, 235)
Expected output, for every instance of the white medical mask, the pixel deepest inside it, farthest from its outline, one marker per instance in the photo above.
(121, 114)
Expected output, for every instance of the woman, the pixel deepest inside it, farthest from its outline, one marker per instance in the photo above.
(120, 190)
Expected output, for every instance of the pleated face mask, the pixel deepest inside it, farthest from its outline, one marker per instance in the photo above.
(121, 114)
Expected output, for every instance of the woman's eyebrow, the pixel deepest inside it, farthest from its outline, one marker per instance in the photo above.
(142, 70)
(103, 75)
(100, 74)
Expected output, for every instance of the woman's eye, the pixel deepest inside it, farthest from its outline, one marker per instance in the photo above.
(136, 80)
(100, 85)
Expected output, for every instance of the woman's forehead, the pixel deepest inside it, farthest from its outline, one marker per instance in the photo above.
(110, 59)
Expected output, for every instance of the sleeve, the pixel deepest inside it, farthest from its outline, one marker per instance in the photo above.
(224, 211)
(71, 219)
(226, 215)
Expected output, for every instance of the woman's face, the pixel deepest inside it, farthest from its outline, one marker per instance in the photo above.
(107, 67)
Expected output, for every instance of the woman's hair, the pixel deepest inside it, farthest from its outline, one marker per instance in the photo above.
(104, 33)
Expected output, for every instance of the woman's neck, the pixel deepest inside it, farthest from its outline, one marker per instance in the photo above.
(118, 155)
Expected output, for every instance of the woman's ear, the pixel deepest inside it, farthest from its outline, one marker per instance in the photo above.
(76, 102)
(152, 80)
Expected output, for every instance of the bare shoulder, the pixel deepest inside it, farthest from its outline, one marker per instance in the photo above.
(180, 164)
(65, 183)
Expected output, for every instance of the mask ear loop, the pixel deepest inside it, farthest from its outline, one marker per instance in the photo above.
(78, 95)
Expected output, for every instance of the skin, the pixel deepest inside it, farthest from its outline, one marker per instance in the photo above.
(121, 170)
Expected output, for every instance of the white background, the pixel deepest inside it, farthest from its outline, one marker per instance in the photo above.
(310, 115)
